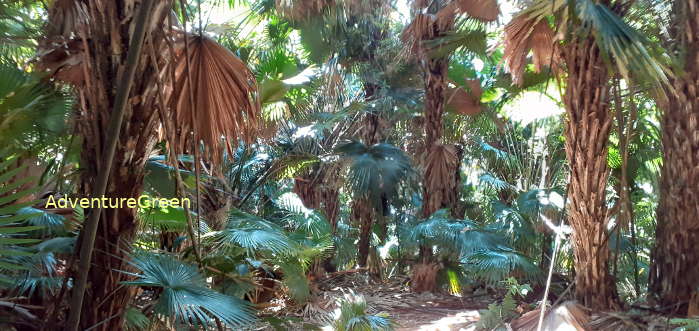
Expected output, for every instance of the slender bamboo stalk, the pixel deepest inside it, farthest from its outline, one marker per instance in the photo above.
(89, 231)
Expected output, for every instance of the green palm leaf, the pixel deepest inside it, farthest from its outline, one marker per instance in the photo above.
(375, 171)
(185, 294)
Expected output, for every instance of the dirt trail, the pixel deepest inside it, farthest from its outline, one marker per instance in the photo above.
(412, 311)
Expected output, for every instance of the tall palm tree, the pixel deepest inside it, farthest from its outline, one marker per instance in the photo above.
(193, 88)
(596, 42)
(675, 265)
(434, 20)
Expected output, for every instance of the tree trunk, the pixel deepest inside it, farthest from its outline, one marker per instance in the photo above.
(587, 133)
(675, 264)
(363, 214)
(440, 162)
(363, 209)
(104, 37)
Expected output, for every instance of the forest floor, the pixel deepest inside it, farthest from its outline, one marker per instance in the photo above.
(440, 311)
(411, 311)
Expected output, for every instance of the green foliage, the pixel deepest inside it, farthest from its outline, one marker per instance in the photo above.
(353, 317)
(185, 295)
(685, 324)
(497, 315)
(376, 171)
(32, 113)
(135, 320)
(484, 254)
(13, 229)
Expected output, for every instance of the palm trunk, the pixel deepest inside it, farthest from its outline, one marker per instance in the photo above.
(587, 133)
(675, 267)
(105, 40)
(441, 162)
(363, 210)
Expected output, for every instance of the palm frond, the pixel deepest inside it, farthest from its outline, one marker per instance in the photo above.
(251, 233)
(375, 171)
(224, 101)
(185, 295)
(626, 48)
(353, 316)
(496, 265)
(13, 234)
(623, 47)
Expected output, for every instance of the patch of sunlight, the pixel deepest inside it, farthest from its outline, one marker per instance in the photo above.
(531, 106)
(219, 18)
(383, 250)
(304, 131)
(291, 201)
(460, 321)
(303, 77)
(402, 12)
(507, 10)
(478, 64)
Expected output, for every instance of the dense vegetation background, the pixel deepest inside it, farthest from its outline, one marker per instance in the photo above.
(532, 152)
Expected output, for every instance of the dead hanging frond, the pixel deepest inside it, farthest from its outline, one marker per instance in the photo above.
(60, 54)
(525, 33)
(442, 170)
(568, 315)
(484, 10)
(425, 27)
(225, 109)
(465, 102)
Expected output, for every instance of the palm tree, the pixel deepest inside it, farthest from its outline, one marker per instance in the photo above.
(195, 89)
(596, 41)
(441, 178)
(675, 265)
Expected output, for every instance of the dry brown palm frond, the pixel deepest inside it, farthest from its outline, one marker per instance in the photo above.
(225, 108)
(485, 10)
(611, 321)
(60, 55)
(542, 45)
(525, 33)
(465, 102)
(63, 60)
(441, 169)
(426, 27)
(568, 315)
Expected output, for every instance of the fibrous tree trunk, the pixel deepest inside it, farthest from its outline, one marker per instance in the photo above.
(440, 162)
(103, 32)
(586, 133)
(364, 210)
(675, 267)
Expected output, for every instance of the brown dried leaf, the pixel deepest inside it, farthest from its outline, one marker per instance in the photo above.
(485, 10)
(542, 46)
(526, 33)
(568, 315)
(465, 102)
(225, 108)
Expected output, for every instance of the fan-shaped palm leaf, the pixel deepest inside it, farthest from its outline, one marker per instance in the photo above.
(353, 316)
(375, 171)
(185, 295)
(224, 98)
(622, 46)
(496, 265)
(251, 233)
